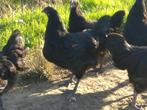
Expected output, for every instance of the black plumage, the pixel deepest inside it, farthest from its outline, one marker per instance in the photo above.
(131, 58)
(77, 22)
(11, 59)
(135, 30)
(117, 20)
(74, 51)
(15, 49)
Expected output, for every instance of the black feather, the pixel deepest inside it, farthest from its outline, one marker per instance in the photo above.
(135, 30)
(131, 58)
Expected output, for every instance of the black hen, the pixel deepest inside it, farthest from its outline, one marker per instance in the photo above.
(77, 23)
(74, 51)
(11, 59)
(131, 58)
(135, 30)
(15, 50)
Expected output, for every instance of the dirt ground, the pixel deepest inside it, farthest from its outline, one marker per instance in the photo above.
(108, 91)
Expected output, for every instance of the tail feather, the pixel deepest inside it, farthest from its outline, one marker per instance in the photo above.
(101, 27)
(117, 19)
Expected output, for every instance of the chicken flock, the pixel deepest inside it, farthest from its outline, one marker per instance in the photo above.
(84, 44)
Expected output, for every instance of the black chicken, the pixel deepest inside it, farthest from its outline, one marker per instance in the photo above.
(132, 58)
(74, 51)
(11, 59)
(15, 50)
(135, 30)
(77, 23)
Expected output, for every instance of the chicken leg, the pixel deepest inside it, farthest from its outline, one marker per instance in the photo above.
(68, 82)
(72, 97)
(133, 101)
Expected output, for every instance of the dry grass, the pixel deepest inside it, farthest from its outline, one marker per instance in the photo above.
(9, 6)
(39, 69)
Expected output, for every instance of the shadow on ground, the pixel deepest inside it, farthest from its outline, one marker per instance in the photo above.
(38, 99)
